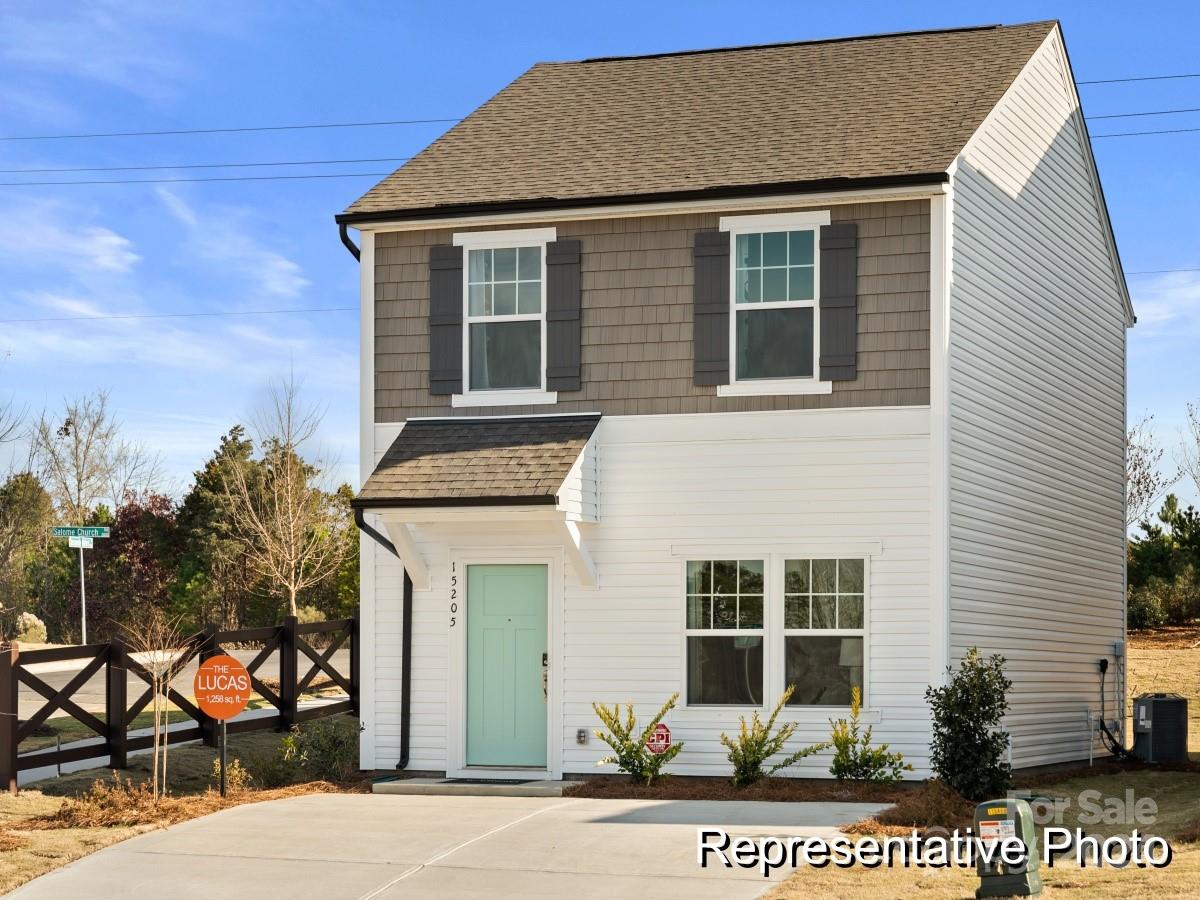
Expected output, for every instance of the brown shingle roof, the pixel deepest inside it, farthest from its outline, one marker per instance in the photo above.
(884, 107)
(478, 461)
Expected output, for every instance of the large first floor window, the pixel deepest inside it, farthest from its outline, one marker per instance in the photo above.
(811, 628)
(725, 631)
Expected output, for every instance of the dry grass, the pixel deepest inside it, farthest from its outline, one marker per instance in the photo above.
(786, 790)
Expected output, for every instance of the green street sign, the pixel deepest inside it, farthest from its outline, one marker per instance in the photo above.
(91, 531)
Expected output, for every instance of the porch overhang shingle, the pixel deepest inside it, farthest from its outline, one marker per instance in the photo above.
(506, 461)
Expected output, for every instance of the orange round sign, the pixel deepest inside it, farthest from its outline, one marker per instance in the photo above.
(222, 687)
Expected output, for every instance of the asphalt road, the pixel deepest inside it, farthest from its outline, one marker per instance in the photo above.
(91, 696)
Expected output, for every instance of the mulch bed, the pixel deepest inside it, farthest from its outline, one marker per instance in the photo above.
(1169, 637)
(782, 790)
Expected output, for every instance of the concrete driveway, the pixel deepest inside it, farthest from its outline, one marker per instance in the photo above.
(374, 846)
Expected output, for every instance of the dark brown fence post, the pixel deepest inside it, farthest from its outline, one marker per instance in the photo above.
(287, 674)
(9, 660)
(209, 728)
(116, 702)
(355, 658)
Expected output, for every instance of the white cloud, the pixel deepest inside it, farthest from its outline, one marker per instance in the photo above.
(1168, 304)
(224, 238)
(45, 232)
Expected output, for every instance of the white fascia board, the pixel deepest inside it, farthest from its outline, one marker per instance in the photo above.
(635, 210)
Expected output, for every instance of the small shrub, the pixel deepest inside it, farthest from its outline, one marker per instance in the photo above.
(306, 615)
(755, 744)
(275, 768)
(326, 750)
(237, 777)
(968, 749)
(30, 629)
(853, 755)
(1144, 610)
(629, 744)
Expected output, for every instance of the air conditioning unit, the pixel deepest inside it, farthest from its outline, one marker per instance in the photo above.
(1160, 728)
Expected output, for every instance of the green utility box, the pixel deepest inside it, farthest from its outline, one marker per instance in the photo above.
(994, 821)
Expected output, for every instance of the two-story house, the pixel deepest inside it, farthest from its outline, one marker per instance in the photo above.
(721, 371)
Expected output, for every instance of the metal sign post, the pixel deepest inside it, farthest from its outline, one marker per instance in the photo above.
(81, 536)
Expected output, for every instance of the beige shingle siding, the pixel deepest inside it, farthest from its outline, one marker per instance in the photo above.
(875, 107)
(637, 318)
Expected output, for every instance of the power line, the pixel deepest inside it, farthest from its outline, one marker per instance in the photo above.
(245, 165)
(1138, 133)
(1161, 271)
(112, 134)
(188, 315)
(1140, 78)
(180, 180)
(1157, 112)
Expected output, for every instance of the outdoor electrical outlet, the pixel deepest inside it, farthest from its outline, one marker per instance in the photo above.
(581, 736)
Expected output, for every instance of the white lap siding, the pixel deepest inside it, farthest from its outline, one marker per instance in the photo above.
(1037, 415)
(804, 481)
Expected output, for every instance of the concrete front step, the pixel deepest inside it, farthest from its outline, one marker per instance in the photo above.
(460, 787)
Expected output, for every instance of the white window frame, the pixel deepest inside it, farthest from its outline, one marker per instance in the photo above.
(773, 631)
(761, 632)
(810, 220)
(786, 632)
(502, 240)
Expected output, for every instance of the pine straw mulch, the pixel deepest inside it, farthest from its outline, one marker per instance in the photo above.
(125, 803)
(931, 805)
(10, 841)
(1168, 637)
(780, 790)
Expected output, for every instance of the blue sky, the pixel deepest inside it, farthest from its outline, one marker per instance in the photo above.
(128, 65)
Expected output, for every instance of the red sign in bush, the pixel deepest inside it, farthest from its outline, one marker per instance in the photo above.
(660, 739)
(222, 687)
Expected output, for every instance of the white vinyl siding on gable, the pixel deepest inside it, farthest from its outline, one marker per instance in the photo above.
(1037, 400)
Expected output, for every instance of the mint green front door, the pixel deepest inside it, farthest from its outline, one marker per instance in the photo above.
(506, 642)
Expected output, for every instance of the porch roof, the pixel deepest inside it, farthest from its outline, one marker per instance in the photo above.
(508, 461)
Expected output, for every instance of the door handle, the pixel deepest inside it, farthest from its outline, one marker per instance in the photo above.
(545, 678)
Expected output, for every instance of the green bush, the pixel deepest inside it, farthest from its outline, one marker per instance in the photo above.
(1144, 610)
(276, 768)
(628, 743)
(968, 749)
(326, 749)
(30, 629)
(853, 755)
(755, 744)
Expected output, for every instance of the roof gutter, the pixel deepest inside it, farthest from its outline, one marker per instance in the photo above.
(350, 245)
(405, 637)
(730, 192)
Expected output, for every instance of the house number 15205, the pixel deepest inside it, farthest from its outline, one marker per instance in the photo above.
(453, 595)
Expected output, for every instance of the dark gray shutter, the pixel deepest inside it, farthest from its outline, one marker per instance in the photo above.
(839, 302)
(710, 331)
(445, 319)
(563, 300)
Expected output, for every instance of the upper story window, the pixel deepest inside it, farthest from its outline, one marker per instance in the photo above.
(504, 316)
(774, 301)
(775, 298)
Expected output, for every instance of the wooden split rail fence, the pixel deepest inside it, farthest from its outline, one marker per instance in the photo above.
(292, 641)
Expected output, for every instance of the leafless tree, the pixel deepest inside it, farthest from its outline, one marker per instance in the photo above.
(84, 460)
(1145, 482)
(158, 643)
(12, 420)
(1189, 451)
(285, 521)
